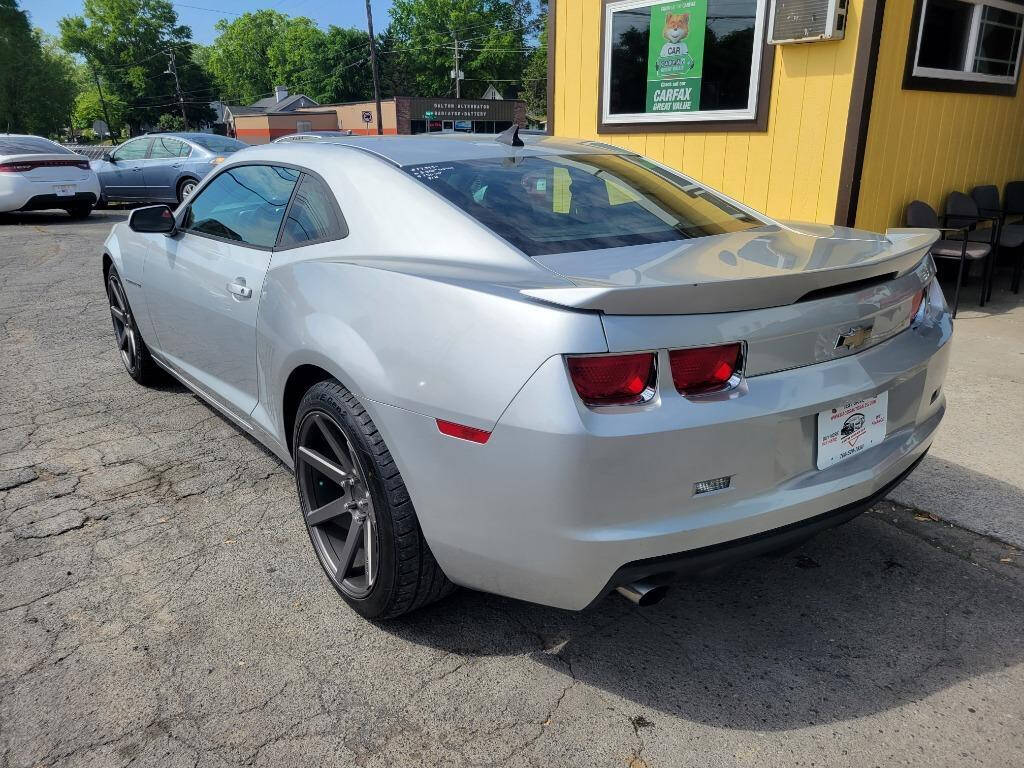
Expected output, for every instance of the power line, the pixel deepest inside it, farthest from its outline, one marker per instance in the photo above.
(211, 10)
(161, 52)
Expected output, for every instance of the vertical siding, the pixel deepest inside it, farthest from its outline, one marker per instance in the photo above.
(923, 145)
(789, 171)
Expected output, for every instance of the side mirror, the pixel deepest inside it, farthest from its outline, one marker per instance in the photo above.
(109, 158)
(152, 218)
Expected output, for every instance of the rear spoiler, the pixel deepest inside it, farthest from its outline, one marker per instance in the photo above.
(908, 247)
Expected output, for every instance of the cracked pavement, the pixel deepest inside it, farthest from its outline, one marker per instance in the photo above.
(160, 605)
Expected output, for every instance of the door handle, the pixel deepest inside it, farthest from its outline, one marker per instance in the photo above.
(239, 288)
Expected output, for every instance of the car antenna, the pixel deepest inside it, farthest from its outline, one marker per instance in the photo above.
(510, 136)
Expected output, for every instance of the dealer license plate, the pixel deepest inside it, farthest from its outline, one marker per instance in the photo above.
(851, 428)
(64, 190)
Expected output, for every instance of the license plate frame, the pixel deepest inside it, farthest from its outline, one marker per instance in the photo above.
(64, 190)
(851, 428)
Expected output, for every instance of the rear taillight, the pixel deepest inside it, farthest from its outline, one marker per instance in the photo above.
(614, 379)
(704, 369)
(29, 165)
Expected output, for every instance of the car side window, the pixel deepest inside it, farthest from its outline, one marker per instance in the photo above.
(132, 150)
(164, 147)
(313, 215)
(245, 203)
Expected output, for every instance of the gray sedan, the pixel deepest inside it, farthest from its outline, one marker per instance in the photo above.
(550, 371)
(161, 167)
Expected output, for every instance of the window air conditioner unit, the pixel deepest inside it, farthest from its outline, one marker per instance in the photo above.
(807, 21)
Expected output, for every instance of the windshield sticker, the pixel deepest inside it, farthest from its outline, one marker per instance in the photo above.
(430, 172)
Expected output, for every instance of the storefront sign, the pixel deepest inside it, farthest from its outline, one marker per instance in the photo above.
(462, 109)
(676, 56)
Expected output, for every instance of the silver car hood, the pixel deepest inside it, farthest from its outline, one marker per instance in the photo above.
(767, 266)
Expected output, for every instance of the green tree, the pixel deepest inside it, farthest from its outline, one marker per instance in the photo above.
(127, 44)
(170, 122)
(239, 59)
(298, 58)
(262, 49)
(492, 35)
(347, 73)
(88, 108)
(37, 83)
(396, 74)
(535, 77)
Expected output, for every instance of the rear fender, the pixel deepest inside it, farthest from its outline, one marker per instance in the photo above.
(432, 347)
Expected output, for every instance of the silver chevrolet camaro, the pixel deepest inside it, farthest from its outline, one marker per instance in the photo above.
(548, 370)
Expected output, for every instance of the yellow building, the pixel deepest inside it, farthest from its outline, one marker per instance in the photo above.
(878, 104)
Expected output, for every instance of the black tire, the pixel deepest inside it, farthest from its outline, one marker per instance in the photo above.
(80, 211)
(403, 574)
(133, 350)
(185, 186)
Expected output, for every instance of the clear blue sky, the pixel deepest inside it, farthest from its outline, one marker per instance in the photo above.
(201, 15)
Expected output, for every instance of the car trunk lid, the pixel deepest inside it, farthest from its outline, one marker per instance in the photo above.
(769, 266)
(787, 292)
(45, 167)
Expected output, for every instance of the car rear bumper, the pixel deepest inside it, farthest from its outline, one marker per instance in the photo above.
(709, 560)
(20, 194)
(49, 202)
(563, 500)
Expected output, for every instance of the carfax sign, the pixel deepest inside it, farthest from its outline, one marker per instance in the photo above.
(675, 61)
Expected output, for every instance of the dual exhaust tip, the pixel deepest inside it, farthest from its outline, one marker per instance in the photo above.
(643, 593)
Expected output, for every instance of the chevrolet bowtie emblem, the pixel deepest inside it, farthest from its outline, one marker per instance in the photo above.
(854, 338)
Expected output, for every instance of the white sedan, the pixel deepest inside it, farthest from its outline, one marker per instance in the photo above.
(37, 174)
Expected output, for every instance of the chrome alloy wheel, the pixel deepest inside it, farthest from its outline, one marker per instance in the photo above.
(125, 331)
(337, 505)
(187, 188)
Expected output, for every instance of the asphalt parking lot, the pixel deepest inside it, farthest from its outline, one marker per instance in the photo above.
(160, 605)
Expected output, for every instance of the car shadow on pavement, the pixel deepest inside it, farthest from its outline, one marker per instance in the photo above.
(48, 218)
(860, 620)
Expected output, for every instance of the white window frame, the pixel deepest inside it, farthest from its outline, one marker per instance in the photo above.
(700, 116)
(965, 74)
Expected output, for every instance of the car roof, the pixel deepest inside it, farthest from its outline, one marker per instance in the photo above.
(424, 148)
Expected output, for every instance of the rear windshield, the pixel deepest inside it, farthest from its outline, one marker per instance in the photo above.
(216, 143)
(562, 203)
(30, 145)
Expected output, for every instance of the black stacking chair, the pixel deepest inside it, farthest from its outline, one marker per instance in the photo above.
(962, 211)
(1009, 235)
(1013, 205)
(920, 214)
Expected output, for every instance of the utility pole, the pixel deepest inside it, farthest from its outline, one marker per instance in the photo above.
(373, 66)
(172, 69)
(103, 102)
(455, 72)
